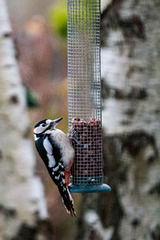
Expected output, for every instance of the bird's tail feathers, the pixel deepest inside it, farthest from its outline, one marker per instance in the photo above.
(67, 199)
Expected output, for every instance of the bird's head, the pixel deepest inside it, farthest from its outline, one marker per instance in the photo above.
(45, 125)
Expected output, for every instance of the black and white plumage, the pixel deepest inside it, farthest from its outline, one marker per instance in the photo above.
(57, 153)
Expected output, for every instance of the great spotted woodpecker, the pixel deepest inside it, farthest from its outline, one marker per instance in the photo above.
(56, 151)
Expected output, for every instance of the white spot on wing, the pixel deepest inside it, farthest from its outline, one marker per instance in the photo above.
(63, 180)
(52, 161)
(57, 177)
(56, 168)
(48, 147)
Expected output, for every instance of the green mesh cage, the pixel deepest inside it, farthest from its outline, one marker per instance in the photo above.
(84, 95)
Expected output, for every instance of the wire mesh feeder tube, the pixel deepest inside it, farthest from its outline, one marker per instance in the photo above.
(84, 95)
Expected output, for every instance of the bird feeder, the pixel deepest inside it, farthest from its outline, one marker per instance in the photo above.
(84, 95)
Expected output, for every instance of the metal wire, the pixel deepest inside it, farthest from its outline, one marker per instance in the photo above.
(84, 90)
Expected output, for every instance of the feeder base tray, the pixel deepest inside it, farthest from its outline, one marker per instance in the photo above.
(89, 188)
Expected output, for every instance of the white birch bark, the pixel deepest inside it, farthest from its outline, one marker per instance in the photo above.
(131, 77)
(21, 192)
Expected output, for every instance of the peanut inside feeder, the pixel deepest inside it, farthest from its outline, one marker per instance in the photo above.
(87, 167)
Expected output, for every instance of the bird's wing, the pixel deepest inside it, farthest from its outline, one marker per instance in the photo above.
(48, 147)
(54, 149)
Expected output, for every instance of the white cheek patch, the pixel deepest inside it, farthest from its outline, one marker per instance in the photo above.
(48, 147)
(39, 130)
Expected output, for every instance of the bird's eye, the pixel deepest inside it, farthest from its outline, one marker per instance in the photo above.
(43, 125)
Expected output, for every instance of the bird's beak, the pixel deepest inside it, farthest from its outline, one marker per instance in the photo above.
(54, 122)
(58, 120)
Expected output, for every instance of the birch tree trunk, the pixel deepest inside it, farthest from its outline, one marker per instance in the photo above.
(131, 118)
(22, 200)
